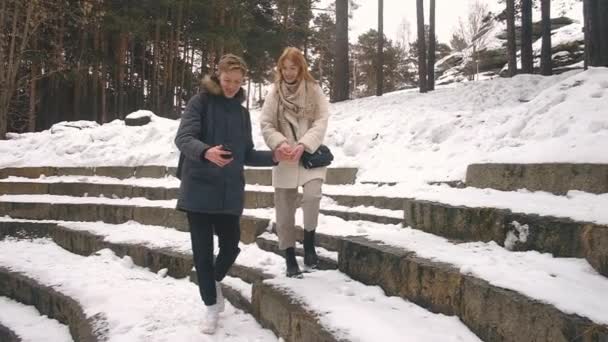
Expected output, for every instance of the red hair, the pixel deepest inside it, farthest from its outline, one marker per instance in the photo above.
(295, 56)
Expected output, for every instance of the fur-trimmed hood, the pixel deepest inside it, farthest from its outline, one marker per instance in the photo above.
(211, 85)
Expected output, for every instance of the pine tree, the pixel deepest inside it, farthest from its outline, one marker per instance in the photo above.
(545, 56)
(341, 89)
(380, 52)
(422, 66)
(511, 46)
(527, 58)
(432, 40)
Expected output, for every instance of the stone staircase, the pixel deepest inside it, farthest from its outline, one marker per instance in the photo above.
(67, 213)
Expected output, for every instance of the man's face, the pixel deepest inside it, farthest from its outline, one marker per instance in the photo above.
(231, 82)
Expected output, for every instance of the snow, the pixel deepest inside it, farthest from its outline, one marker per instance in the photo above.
(29, 325)
(159, 308)
(141, 114)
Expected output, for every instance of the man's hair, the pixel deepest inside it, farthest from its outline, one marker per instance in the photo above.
(230, 62)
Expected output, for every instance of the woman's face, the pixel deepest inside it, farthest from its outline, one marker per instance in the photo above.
(231, 82)
(289, 71)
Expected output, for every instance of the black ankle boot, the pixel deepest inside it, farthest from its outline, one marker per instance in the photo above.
(310, 255)
(293, 270)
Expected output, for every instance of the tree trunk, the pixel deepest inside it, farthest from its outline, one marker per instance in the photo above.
(95, 77)
(603, 29)
(155, 70)
(511, 47)
(341, 90)
(260, 92)
(248, 92)
(527, 58)
(545, 55)
(380, 51)
(103, 80)
(422, 73)
(596, 32)
(432, 39)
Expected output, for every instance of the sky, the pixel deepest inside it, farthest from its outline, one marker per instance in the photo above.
(395, 11)
(448, 13)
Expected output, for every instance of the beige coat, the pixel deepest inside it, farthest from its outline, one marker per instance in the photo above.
(309, 133)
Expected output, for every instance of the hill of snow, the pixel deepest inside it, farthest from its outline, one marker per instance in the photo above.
(401, 137)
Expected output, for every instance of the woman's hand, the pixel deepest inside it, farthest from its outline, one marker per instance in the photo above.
(215, 153)
(296, 153)
(283, 152)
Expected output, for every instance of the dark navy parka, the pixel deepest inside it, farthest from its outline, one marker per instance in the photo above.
(212, 119)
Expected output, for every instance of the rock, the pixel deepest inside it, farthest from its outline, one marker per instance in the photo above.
(140, 121)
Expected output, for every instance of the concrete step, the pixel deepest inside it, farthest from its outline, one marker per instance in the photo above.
(270, 243)
(351, 215)
(261, 176)
(493, 313)
(559, 236)
(557, 178)
(8, 335)
(251, 227)
(253, 199)
(52, 303)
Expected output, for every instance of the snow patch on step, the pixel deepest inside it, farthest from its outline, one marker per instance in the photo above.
(29, 325)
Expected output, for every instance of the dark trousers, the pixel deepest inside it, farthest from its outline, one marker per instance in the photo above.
(228, 230)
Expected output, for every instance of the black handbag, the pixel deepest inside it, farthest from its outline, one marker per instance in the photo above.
(319, 158)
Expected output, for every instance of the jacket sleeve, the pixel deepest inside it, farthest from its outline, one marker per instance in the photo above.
(189, 132)
(313, 138)
(252, 156)
(269, 122)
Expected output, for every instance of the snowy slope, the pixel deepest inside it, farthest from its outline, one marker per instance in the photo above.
(402, 136)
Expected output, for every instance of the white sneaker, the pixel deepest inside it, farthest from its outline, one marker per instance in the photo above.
(219, 297)
(211, 318)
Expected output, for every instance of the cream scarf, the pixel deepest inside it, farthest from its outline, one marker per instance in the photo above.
(299, 101)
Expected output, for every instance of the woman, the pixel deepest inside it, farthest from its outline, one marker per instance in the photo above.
(214, 137)
(294, 120)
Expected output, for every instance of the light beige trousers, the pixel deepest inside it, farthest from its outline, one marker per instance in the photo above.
(286, 203)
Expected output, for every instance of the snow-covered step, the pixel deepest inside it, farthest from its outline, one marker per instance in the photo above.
(544, 298)
(84, 189)
(261, 176)
(159, 249)
(253, 198)
(329, 306)
(341, 294)
(90, 209)
(19, 322)
(557, 178)
(135, 304)
(23, 287)
(562, 237)
(382, 202)
(328, 260)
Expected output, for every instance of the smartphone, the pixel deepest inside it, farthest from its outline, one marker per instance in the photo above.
(227, 149)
